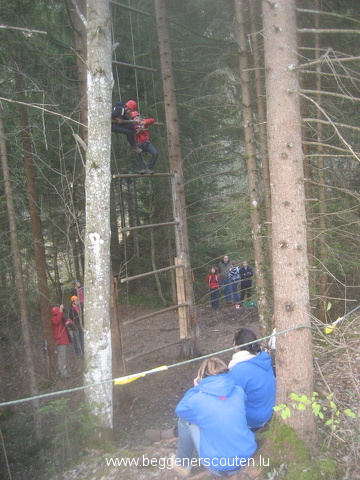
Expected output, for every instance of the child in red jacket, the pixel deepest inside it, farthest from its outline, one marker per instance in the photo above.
(142, 138)
(61, 338)
(213, 281)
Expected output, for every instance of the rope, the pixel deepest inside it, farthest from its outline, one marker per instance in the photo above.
(130, 378)
(134, 60)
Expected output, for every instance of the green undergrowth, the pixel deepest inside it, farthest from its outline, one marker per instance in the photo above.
(289, 457)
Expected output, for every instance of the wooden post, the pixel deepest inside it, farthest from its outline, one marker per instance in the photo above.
(180, 289)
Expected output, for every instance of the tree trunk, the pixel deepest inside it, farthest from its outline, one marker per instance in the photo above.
(253, 184)
(39, 248)
(78, 16)
(294, 364)
(175, 160)
(20, 289)
(323, 278)
(98, 357)
(116, 255)
(261, 111)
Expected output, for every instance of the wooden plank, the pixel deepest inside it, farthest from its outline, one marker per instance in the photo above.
(147, 352)
(154, 314)
(143, 227)
(147, 274)
(180, 288)
(136, 67)
(132, 9)
(139, 175)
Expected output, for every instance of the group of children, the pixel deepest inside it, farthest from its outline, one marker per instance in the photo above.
(227, 278)
(127, 121)
(220, 415)
(68, 328)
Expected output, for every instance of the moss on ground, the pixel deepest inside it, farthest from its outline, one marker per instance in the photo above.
(284, 448)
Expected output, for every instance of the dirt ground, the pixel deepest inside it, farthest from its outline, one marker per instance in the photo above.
(149, 402)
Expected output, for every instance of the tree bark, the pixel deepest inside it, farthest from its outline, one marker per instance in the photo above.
(98, 357)
(39, 248)
(252, 174)
(175, 160)
(78, 16)
(261, 111)
(15, 252)
(323, 278)
(294, 364)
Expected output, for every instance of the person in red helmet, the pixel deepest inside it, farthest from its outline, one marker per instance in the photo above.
(121, 112)
(61, 338)
(142, 138)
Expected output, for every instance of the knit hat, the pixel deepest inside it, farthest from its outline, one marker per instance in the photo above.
(131, 104)
(73, 298)
(55, 310)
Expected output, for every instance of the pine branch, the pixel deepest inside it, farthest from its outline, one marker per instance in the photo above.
(339, 95)
(322, 13)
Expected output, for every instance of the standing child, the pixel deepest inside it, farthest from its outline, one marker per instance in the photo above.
(61, 338)
(74, 315)
(142, 138)
(234, 276)
(213, 281)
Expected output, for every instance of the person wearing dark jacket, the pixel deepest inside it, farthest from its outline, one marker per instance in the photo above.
(224, 268)
(246, 275)
(61, 338)
(120, 122)
(251, 370)
(212, 419)
(74, 315)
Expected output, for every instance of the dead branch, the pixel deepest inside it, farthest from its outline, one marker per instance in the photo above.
(326, 30)
(330, 122)
(322, 13)
(323, 59)
(333, 124)
(331, 94)
(33, 105)
(26, 30)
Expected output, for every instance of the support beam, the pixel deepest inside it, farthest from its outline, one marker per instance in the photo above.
(143, 227)
(154, 314)
(147, 274)
(132, 9)
(137, 67)
(139, 175)
(147, 352)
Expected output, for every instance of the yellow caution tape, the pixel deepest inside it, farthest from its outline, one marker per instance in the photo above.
(135, 376)
(329, 328)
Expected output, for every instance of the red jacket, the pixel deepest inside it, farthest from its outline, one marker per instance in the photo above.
(59, 328)
(142, 133)
(213, 281)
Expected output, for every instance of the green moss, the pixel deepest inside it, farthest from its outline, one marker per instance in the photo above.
(313, 469)
(281, 445)
(284, 448)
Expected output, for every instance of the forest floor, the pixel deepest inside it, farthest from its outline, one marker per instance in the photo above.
(149, 402)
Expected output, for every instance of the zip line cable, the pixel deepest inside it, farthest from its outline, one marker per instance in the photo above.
(130, 378)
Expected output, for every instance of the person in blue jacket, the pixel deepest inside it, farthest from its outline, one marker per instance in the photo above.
(251, 370)
(212, 419)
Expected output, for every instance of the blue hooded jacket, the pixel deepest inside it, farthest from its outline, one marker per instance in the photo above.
(217, 406)
(256, 377)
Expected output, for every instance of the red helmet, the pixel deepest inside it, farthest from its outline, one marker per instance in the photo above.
(55, 310)
(134, 114)
(131, 104)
